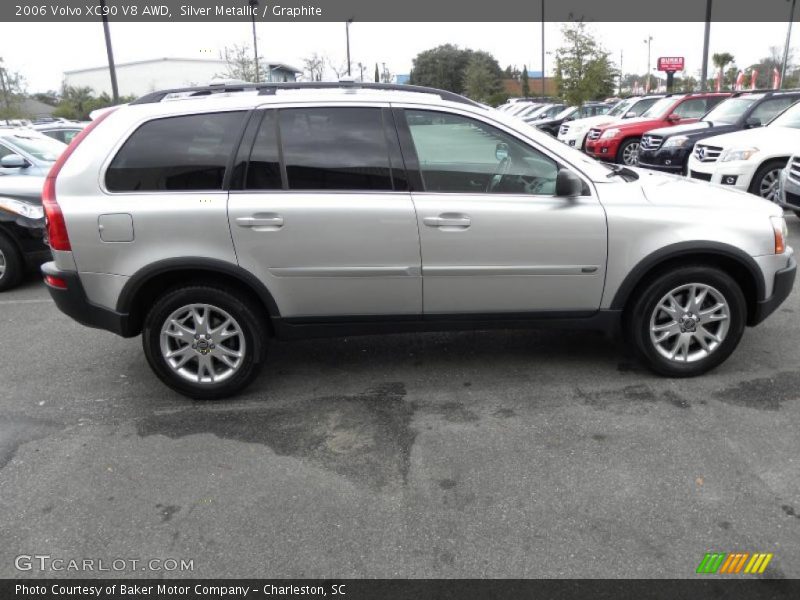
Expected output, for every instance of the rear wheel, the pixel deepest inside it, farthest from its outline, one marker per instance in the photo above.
(12, 265)
(687, 321)
(766, 180)
(204, 342)
(628, 153)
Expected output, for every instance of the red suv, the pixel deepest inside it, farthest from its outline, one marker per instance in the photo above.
(619, 142)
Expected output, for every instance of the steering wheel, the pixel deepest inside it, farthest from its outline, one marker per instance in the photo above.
(503, 167)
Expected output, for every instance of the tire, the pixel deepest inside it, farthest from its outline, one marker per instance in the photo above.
(12, 265)
(645, 313)
(200, 366)
(770, 169)
(797, 213)
(628, 146)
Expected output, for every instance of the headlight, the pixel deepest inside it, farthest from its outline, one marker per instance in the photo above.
(24, 209)
(781, 233)
(737, 154)
(677, 141)
(609, 133)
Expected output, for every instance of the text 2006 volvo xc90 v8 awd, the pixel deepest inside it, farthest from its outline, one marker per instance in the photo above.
(211, 219)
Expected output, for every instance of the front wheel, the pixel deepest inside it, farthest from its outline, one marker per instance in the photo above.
(767, 179)
(204, 342)
(12, 265)
(628, 153)
(687, 321)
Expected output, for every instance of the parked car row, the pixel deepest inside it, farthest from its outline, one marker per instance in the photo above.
(742, 140)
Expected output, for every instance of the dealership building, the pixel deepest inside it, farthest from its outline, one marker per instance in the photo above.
(143, 76)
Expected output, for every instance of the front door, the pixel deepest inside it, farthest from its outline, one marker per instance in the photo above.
(494, 237)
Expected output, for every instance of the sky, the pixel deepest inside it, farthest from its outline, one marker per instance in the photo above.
(41, 52)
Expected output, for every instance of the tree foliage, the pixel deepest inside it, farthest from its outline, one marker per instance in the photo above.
(442, 67)
(78, 102)
(482, 77)
(525, 82)
(583, 69)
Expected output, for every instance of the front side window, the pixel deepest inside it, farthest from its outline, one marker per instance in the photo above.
(691, 109)
(767, 110)
(790, 118)
(184, 153)
(459, 154)
(342, 148)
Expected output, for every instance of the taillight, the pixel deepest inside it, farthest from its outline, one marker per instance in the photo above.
(54, 218)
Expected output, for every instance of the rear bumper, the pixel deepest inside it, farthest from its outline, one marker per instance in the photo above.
(72, 301)
(782, 287)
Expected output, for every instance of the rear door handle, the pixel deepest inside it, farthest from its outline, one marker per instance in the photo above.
(276, 221)
(448, 220)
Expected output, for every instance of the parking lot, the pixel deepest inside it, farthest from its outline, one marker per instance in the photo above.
(492, 454)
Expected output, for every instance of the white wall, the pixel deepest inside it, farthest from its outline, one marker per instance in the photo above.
(138, 79)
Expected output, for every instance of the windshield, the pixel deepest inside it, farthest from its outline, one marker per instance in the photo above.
(565, 113)
(621, 107)
(659, 108)
(728, 111)
(534, 110)
(789, 118)
(38, 146)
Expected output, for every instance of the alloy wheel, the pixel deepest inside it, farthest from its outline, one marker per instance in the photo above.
(202, 343)
(2, 264)
(630, 155)
(689, 323)
(768, 186)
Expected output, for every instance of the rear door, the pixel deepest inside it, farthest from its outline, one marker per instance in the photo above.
(495, 238)
(320, 211)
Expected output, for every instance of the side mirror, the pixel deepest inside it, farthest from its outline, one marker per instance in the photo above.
(673, 118)
(629, 115)
(13, 161)
(501, 151)
(568, 185)
(752, 122)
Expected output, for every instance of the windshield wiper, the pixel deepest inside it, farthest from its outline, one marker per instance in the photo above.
(623, 172)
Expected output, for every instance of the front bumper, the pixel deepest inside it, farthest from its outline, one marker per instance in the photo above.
(603, 149)
(781, 288)
(735, 174)
(668, 160)
(72, 301)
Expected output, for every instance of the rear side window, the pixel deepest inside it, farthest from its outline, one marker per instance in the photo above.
(693, 108)
(183, 153)
(342, 148)
(765, 111)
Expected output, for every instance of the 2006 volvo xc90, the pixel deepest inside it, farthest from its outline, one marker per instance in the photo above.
(209, 219)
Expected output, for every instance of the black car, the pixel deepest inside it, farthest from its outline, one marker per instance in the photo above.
(668, 149)
(22, 245)
(590, 109)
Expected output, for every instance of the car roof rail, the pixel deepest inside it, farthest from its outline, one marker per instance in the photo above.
(269, 89)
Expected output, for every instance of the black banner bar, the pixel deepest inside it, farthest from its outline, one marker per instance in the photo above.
(740, 588)
(394, 10)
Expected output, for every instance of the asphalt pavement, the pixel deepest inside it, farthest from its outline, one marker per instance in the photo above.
(487, 454)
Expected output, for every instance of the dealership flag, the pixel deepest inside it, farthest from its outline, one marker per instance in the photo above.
(776, 79)
(753, 77)
(740, 80)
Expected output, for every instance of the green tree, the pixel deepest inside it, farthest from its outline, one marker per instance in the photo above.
(377, 74)
(442, 67)
(526, 86)
(721, 60)
(482, 77)
(12, 90)
(583, 69)
(686, 84)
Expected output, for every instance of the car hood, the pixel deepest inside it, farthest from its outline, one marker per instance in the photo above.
(680, 192)
(635, 123)
(26, 188)
(595, 121)
(780, 139)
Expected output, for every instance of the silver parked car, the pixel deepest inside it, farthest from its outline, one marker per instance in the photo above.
(25, 151)
(209, 219)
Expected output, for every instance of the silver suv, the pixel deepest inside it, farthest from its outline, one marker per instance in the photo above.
(210, 219)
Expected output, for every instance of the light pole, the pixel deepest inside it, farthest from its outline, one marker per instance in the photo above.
(647, 84)
(620, 72)
(347, 34)
(542, 47)
(704, 74)
(253, 4)
(110, 53)
(786, 48)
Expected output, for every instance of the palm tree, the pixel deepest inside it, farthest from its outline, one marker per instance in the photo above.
(720, 60)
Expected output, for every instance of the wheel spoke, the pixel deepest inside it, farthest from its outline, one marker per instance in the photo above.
(183, 355)
(180, 331)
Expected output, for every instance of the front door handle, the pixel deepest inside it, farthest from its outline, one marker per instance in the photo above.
(275, 221)
(448, 220)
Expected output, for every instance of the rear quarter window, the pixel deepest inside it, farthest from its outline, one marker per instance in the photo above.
(183, 153)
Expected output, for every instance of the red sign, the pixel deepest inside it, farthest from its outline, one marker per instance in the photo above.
(670, 63)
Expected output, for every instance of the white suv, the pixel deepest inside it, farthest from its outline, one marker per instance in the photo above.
(210, 219)
(750, 160)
